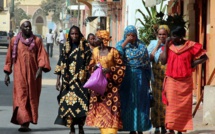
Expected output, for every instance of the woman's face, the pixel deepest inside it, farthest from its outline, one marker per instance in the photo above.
(162, 35)
(133, 37)
(74, 34)
(175, 38)
(91, 40)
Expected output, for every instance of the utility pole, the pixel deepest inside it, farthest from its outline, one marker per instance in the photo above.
(78, 14)
(11, 14)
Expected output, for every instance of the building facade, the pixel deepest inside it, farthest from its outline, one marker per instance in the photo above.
(4, 15)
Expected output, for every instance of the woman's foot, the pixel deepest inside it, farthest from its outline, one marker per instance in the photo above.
(132, 132)
(171, 132)
(163, 130)
(139, 132)
(157, 130)
(72, 130)
(179, 132)
(81, 129)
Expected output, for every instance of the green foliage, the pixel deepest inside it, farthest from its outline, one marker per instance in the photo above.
(19, 14)
(55, 6)
(154, 18)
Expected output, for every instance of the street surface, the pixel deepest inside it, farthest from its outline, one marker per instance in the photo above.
(48, 107)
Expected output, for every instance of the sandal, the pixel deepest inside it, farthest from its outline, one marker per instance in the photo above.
(24, 129)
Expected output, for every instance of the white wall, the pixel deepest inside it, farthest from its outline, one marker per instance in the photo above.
(130, 15)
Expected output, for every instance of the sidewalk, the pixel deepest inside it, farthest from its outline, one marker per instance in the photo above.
(48, 107)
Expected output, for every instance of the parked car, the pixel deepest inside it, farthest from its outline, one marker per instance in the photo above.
(4, 38)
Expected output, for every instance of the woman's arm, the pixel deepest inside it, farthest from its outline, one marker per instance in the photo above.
(152, 55)
(164, 54)
(201, 60)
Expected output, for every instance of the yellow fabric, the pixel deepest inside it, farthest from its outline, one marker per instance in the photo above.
(165, 27)
(108, 130)
(104, 36)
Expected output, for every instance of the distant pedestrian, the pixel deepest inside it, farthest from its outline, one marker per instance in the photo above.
(181, 56)
(28, 58)
(72, 67)
(50, 42)
(91, 41)
(134, 91)
(154, 49)
(11, 34)
(61, 40)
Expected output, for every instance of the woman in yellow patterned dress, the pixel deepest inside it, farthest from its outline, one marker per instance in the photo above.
(104, 111)
(154, 50)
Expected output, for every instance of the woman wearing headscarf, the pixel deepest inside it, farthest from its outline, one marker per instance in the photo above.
(104, 110)
(134, 91)
(72, 66)
(154, 49)
(181, 56)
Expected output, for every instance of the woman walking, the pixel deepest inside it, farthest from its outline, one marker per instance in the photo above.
(154, 49)
(104, 110)
(134, 91)
(181, 56)
(72, 66)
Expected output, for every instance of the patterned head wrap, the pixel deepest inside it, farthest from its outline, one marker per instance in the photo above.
(165, 27)
(104, 36)
(130, 29)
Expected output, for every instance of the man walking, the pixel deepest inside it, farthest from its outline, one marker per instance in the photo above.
(28, 58)
(50, 42)
(61, 41)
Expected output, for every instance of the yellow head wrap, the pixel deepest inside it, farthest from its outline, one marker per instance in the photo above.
(104, 36)
(165, 27)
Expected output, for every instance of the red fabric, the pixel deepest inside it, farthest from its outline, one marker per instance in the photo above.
(26, 90)
(179, 109)
(179, 59)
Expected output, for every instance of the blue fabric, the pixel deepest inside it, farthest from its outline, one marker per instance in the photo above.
(151, 47)
(134, 91)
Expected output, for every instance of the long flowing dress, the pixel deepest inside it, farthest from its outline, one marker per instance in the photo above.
(178, 85)
(134, 91)
(73, 98)
(158, 109)
(104, 111)
(26, 90)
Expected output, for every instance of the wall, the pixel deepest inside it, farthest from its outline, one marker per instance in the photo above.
(5, 18)
(210, 39)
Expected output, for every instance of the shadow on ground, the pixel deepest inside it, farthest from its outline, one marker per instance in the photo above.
(203, 132)
(6, 94)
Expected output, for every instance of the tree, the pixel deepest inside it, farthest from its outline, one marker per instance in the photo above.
(19, 14)
(55, 6)
(156, 17)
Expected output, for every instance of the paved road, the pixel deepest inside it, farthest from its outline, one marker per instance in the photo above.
(48, 107)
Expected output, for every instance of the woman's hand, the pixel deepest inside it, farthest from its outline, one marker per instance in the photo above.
(168, 40)
(58, 83)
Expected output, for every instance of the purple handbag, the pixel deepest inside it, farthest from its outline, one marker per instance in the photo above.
(97, 81)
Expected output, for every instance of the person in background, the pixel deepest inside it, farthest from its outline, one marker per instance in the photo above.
(154, 50)
(28, 58)
(104, 110)
(61, 40)
(134, 91)
(72, 67)
(91, 41)
(11, 34)
(181, 57)
(49, 42)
